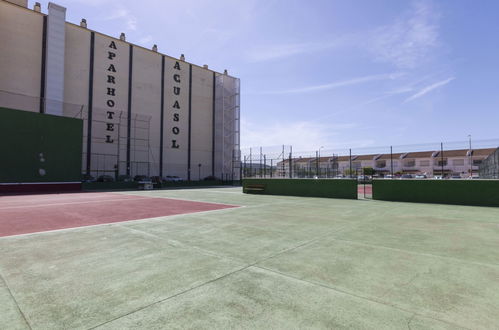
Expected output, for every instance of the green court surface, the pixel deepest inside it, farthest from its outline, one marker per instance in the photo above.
(277, 262)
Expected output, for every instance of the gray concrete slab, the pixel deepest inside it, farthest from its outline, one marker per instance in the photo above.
(277, 262)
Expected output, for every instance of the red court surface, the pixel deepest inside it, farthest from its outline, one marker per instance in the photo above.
(367, 189)
(36, 213)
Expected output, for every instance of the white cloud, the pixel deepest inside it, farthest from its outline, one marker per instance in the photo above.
(145, 40)
(429, 88)
(273, 52)
(124, 14)
(338, 84)
(408, 41)
(302, 135)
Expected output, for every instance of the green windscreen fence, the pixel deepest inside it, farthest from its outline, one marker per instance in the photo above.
(331, 188)
(38, 147)
(460, 192)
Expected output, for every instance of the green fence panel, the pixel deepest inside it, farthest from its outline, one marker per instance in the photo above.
(334, 188)
(38, 147)
(459, 192)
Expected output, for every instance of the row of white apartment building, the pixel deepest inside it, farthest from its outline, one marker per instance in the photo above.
(460, 162)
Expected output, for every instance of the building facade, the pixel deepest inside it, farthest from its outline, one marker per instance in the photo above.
(144, 113)
(461, 162)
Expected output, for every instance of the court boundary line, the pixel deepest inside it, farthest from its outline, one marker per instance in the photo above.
(138, 197)
(15, 301)
(116, 223)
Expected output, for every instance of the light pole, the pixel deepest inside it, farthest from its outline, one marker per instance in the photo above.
(471, 158)
(319, 162)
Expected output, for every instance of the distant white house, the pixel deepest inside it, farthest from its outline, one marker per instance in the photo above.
(461, 162)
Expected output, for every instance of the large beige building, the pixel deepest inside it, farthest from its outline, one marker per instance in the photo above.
(145, 113)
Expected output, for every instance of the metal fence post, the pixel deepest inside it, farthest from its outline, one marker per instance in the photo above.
(260, 169)
(350, 160)
(244, 168)
(391, 161)
(442, 157)
(251, 164)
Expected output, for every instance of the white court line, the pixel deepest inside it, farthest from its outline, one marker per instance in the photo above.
(139, 197)
(71, 203)
(181, 199)
(116, 223)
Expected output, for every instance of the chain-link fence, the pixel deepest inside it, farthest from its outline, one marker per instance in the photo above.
(109, 139)
(489, 169)
(455, 160)
(122, 148)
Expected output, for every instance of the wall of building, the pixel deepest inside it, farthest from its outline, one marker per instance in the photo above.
(202, 119)
(21, 32)
(144, 112)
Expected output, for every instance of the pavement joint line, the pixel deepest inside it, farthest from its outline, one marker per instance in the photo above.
(280, 231)
(178, 244)
(114, 223)
(15, 301)
(170, 297)
(410, 320)
(301, 244)
(416, 253)
(412, 279)
(358, 296)
(205, 283)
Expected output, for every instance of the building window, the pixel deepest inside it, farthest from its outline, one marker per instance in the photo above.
(477, 162)
(424, 163)
(381, 164)
(441, 162)
(458, 162)
(410, 163)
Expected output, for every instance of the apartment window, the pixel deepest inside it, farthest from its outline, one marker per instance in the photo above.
(410, 163)
(356, 165)
(381, 164)
(424, 163)
(477, 162)
(458, 162)
(441, 162)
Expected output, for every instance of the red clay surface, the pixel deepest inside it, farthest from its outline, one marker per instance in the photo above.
(368, 189)
(36, 213)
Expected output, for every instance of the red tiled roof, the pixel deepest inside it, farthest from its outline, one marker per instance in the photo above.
(387, 156)
(366, 157)
(419, 154)
(483, 152)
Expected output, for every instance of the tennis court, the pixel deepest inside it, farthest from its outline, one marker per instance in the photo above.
(232, 260)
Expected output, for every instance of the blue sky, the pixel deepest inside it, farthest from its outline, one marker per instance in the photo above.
(331, 73)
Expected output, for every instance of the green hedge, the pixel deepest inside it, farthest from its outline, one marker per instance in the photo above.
(332, 188)
(460, 192)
